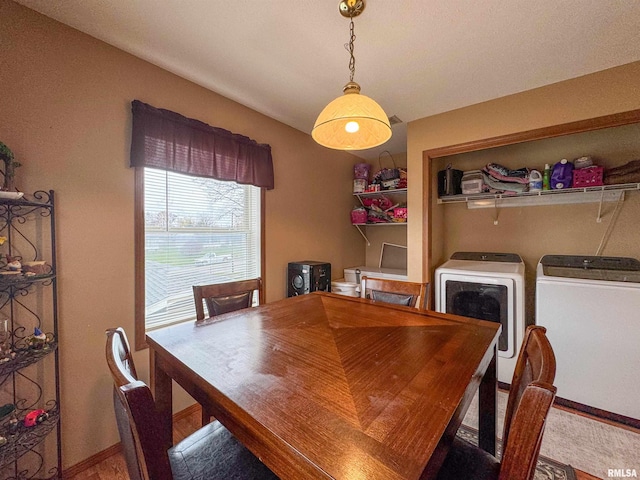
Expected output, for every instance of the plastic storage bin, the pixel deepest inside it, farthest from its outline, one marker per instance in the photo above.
(588, 177)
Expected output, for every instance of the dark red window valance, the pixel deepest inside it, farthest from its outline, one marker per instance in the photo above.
(169, 141)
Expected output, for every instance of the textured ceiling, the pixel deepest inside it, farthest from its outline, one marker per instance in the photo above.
(414, 57)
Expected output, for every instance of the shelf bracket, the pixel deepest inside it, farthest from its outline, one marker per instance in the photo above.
(363, 235)
(599, 217)
(495, 211)
(602, 199)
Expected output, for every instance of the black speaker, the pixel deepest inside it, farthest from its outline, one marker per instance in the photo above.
(308, 276)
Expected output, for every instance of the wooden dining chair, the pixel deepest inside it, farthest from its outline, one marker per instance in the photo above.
(211, 452)
(208, 454)
(123, 372)
(530, 399)
(398, 292)
(226, 297)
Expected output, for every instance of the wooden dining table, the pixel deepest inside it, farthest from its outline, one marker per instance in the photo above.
(329, 386)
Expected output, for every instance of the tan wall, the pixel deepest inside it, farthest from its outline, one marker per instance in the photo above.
(65, 111)
(529, 231)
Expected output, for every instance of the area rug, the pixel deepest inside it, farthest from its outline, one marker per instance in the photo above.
(546, 469)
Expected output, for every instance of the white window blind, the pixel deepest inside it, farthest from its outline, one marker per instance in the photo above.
(198, 231)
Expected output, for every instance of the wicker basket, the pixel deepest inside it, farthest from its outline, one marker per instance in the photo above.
(385, 174)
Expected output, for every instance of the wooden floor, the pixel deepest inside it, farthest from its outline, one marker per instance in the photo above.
(115, 468)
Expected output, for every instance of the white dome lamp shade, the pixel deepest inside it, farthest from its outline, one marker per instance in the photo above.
(352, 121)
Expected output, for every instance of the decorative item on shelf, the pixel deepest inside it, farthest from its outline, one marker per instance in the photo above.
(9, 172)
(6, 352)
(373, 187)
(36, 268)
(39, 340)
(10, 425)
(352, 121)
(35, 417)
(13, 264)
(6, 409)
(358, 215)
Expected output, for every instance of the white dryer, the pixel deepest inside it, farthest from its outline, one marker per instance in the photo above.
(591, 309)
(487, 286)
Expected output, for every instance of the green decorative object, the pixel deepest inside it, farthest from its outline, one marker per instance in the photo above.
(6, 409)
(6, 155)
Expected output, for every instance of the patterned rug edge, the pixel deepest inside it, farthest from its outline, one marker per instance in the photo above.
(547, 468)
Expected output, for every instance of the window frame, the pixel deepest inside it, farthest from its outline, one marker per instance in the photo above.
(140, 336)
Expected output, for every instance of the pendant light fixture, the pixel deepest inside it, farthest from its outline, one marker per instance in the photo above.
(352, 121)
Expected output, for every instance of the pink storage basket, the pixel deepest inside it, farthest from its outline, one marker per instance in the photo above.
(400, 212)
(359, 215)
(587, 177)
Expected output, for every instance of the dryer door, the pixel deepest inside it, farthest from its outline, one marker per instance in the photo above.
(483, 298)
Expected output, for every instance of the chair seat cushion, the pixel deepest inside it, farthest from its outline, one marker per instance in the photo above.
(213, 452)
(466, 461)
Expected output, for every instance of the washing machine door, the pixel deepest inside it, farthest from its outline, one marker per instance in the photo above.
(483, 298)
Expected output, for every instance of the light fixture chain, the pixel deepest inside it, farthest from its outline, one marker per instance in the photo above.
(349, 47)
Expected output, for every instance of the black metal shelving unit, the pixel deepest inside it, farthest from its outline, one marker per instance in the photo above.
(29, 370)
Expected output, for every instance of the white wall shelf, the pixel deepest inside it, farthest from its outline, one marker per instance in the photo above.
(394, 195)
(604, 193)
(381, 193)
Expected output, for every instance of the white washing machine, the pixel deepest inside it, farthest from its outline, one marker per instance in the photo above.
(487, 286)
(591, 309)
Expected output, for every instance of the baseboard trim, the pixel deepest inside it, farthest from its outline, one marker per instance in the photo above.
(187, 412)
(605, 416)
(91, 461)
(115, 449)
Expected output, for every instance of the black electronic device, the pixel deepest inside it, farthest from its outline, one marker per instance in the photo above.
(308, 276)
